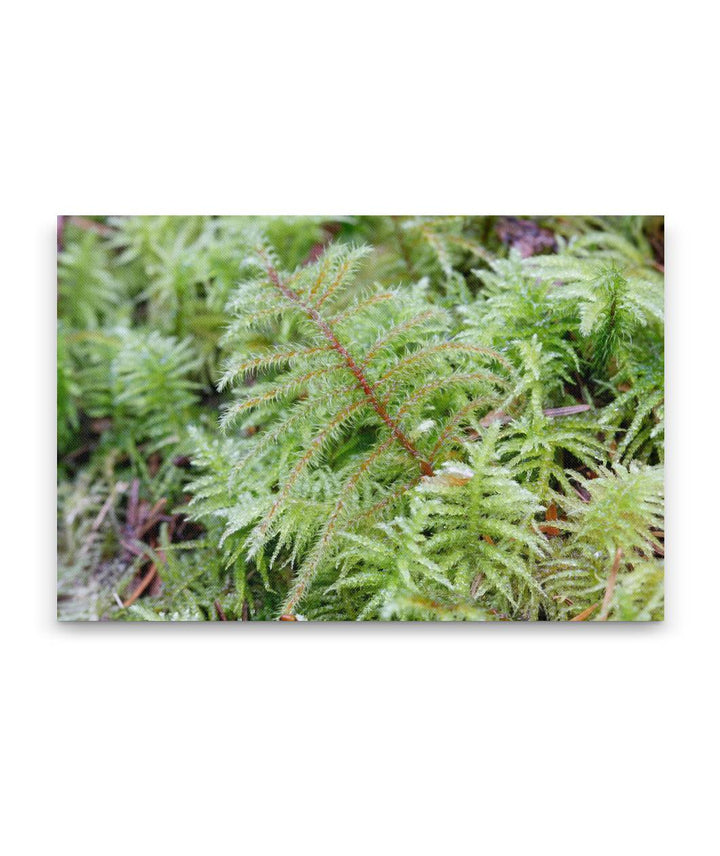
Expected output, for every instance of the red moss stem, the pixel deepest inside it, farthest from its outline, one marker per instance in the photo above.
(425, 466)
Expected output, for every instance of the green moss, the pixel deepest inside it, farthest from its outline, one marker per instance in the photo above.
(394, 418)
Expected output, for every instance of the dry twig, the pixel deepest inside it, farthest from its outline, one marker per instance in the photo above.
(586, 613)
(610, 586)
(145, 582)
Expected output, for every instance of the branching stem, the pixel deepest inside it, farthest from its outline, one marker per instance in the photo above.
(425, 466)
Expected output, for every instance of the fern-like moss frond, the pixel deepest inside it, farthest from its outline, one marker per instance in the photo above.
(615, 524)
(463, 544)
(89, 291)
(612, 301)
(374, 384)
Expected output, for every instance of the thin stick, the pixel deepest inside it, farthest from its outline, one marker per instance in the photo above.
(152, 519)
(586, 613)
(566, 411)
(550, 412)
(146, 580)
(610, 586)
(119, 487)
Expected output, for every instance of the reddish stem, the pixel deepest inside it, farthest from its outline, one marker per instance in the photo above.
(425, 466)
(145, 582)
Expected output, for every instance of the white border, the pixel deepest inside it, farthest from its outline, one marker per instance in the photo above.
(380, 739)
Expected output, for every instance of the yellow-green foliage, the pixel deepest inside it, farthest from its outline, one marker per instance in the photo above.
(389, 418)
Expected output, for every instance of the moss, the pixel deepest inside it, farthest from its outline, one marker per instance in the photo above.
(384, 418)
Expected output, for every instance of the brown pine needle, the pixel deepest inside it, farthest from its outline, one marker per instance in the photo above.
(550, 515)
(610, 586)
(145, 582)
(152, 518)
(586, 613)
